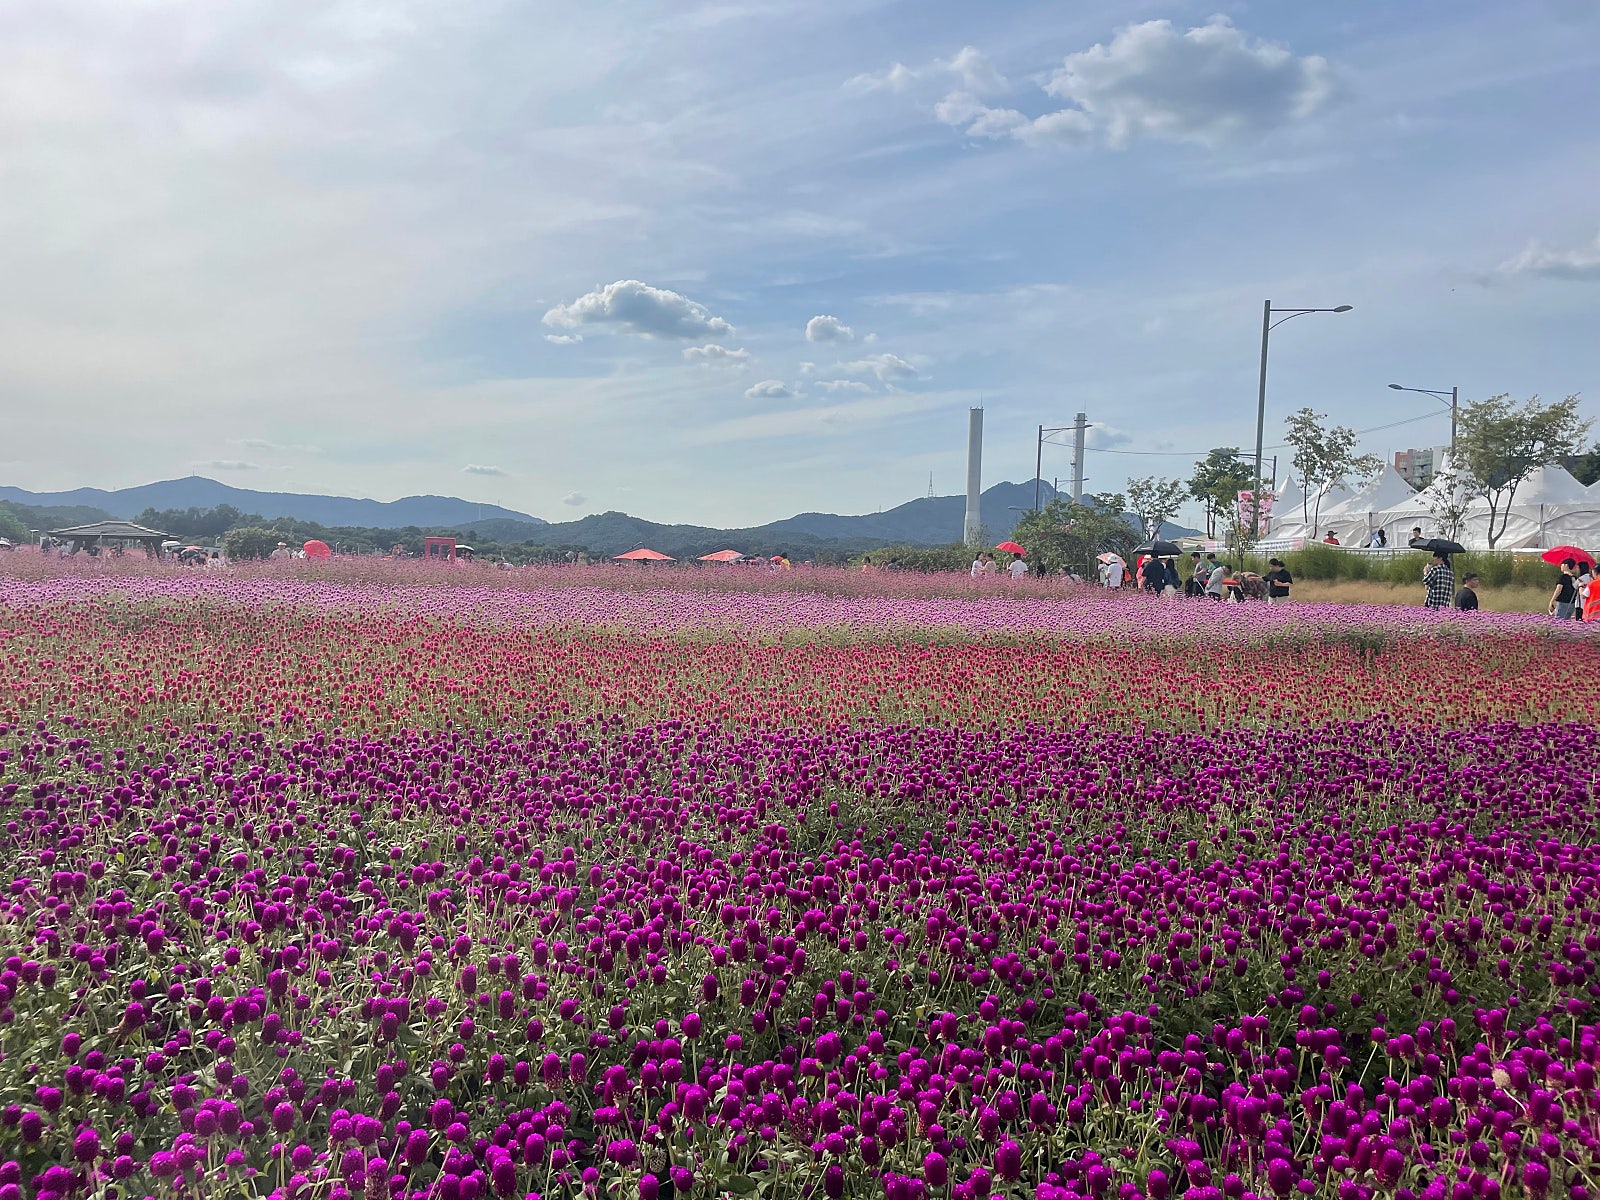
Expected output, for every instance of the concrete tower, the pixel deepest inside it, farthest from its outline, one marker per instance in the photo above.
(972, 530)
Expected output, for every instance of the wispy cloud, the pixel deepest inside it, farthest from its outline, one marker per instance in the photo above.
(1577, 263)
(481, 469)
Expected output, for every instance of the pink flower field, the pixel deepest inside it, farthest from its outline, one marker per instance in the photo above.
(386, 881)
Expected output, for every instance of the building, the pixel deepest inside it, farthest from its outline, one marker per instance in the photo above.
(1418, 467)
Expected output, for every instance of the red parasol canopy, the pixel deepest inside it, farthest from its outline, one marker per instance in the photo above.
(1011, 548)
(722, 556)
(645, 556)
(316, 549)
(1558, 553)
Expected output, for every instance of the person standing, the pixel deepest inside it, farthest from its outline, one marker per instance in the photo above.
(1216, 585)
(1565, 598)
(1279, 581)
(1467, 597)
(1439, 578)
(1016, 568)
(1114, 570)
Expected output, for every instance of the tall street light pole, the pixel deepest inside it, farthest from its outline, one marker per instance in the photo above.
(1267, 326)
(1454, 402)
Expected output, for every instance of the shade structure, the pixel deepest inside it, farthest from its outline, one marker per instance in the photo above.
(721, 556)
(645, 556)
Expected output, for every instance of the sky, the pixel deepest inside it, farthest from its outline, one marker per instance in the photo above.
(724, 262)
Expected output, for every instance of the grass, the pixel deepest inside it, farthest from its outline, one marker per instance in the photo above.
(1517, 599)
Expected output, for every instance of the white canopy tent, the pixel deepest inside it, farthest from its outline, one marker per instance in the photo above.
(1355, 520)
(1307, 517)
(1549, 508)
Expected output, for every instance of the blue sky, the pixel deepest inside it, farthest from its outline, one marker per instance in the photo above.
(724, 262)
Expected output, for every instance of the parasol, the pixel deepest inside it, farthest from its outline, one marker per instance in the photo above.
(643, 555)
(1011, 548)
(1560, 554)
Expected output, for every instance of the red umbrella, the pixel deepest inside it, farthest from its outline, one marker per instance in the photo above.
(722, 556)
(645, 556)
(1011, 548)
(316, 549)
(1559, 553)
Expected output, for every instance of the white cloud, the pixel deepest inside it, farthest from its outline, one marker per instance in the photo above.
(479, 469)
(844, 385)
(1211, 84)
(278, 447)
(767, 389)
(634, 307)
(970, 69)
(574, 499)
(228, 464)
(1580, 262)
(828, 329)
(887, 367)
(713, 355)
(564, 339)
(1106, 437)
(808, 368)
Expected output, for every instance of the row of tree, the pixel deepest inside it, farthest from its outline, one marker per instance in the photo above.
(1499, 444)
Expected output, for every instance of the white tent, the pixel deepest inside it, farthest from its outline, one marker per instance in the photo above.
(1307, 518)
(1355, 520)
(1550, 507)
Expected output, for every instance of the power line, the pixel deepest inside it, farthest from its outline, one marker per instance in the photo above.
(1278, 446)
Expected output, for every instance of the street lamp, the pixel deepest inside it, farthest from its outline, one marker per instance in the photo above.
(1454, 402)
(1267, 326)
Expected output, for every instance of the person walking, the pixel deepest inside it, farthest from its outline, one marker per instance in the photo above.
(1564, 599)
(1467, 597)
(1439, 578)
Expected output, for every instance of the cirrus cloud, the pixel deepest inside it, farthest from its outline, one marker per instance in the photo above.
(630, 306)
(1579, 262)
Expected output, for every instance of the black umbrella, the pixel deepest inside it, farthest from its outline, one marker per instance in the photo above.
(1441, 546)
(1159, 548)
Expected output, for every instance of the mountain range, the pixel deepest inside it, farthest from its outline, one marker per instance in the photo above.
(196, 491)
(929, 521)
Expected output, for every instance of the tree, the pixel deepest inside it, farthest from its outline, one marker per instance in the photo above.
(1217, 481)
(1325, 457)
(1154, 501)
(1065, 536)
(1448, 499)
(1499, 444)
(13, 528)
(250, 541)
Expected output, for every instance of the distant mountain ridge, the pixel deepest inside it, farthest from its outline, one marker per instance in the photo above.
(928, 521)
(196, 491)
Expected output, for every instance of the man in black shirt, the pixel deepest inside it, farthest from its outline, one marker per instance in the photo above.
(1467, 597)
(1278, 581)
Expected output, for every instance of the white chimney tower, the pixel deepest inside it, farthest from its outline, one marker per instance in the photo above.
(972, 530)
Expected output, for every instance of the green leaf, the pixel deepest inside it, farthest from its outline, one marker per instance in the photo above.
(740, 1185)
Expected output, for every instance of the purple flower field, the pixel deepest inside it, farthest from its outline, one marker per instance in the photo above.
(687, 958)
